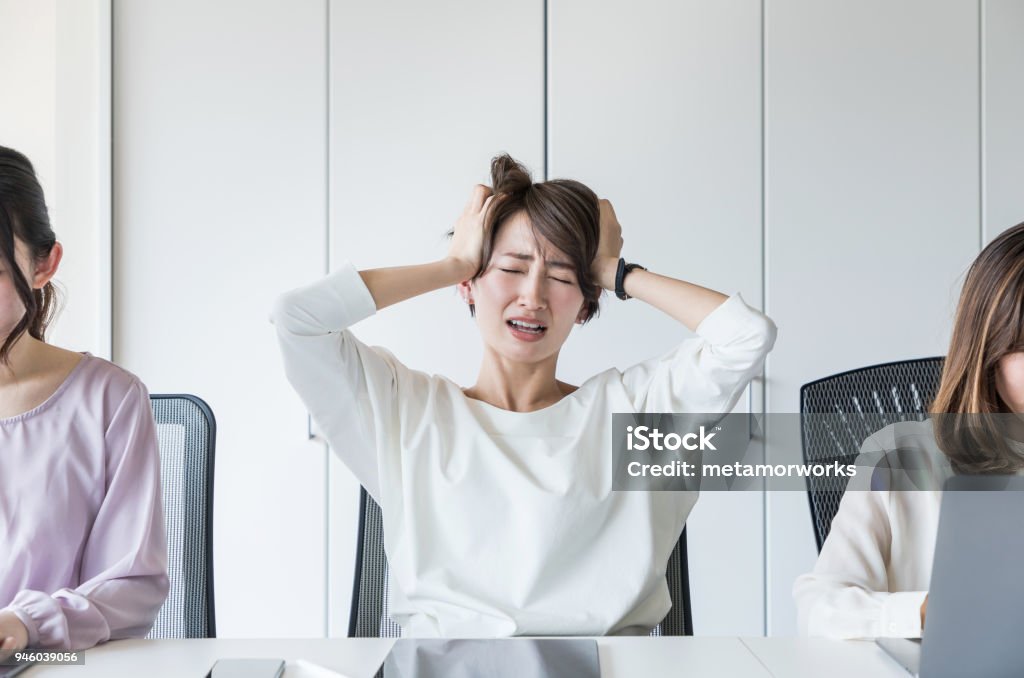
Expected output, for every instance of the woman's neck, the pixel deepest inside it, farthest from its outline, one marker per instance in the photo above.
(1014, 426)
(518, 387)
(31, 359)
(34, 372)
(20, 360)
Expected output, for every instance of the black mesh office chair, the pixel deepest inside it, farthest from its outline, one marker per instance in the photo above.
(369, 617)
(187, 432)
(860, 403)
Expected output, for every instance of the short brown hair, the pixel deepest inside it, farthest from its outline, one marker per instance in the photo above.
(562, 211)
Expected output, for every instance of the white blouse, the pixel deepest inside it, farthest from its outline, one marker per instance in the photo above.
(875, 567)
(502, 523)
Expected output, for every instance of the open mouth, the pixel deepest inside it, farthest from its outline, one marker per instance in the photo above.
(526, 327)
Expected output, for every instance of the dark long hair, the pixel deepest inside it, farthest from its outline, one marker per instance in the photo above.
(968, 412)
(565, 212)
(23, 215)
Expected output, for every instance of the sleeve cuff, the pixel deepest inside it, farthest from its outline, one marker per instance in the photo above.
(30, 624)
(330, 304)
(733, 319)
(901, 614)
(352, 295)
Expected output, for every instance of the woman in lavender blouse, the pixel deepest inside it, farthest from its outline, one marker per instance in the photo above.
(83, 558)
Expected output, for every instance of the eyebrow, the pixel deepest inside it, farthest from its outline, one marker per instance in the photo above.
(550, 262)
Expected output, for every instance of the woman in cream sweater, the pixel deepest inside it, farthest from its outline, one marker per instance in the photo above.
(499, 514)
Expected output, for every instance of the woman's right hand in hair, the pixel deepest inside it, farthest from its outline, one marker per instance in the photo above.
(468, 236)
(390, 286)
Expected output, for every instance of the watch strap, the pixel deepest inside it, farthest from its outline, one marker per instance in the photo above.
(620, 277)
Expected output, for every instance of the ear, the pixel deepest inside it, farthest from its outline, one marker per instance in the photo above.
(46, 268)
(466, 291)
(582, 316)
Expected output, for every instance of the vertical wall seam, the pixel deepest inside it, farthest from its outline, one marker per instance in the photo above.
(328, 138)
(981, 125)
(325, 452)
(547, 159)
(764, 306)
(111, 191)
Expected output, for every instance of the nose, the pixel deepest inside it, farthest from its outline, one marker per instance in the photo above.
(533, 291)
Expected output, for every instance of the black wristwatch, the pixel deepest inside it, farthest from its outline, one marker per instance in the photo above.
(620, 276)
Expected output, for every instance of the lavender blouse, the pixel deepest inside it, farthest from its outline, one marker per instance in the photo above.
(83, 557)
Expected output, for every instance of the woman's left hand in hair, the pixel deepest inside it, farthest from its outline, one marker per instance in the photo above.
(609, 247)
(684, 301)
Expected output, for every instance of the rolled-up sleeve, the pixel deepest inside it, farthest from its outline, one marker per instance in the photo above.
(709, 372)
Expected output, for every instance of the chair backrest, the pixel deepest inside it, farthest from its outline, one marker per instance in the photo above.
(370, 618)
(860, 403)
(187, 432)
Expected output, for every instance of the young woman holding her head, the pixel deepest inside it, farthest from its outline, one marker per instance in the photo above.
(82, 552)
(871, 578)
(499, 517)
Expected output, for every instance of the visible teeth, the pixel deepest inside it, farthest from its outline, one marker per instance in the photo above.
(526, 326)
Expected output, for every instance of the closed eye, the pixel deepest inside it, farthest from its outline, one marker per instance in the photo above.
(509, 270)
(565, 282)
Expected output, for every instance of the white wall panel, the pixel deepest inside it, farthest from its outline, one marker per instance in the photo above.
(220, 204)
(81, 211)
(1003, 106)
(28, 64)
(872, 204)
(55, 79)
(422, 96)
(657, 106)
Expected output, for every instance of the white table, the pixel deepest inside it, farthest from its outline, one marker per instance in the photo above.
(620, 657)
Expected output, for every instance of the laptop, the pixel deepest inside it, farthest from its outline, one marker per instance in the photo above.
(499, 658)
(976, 597)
